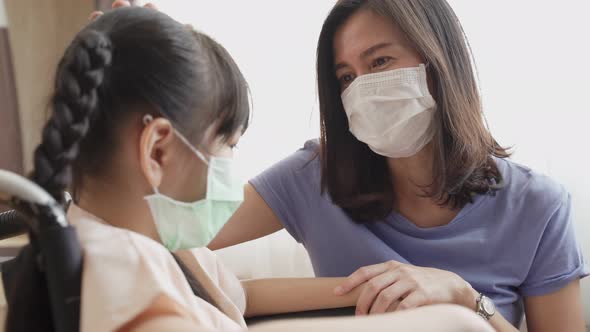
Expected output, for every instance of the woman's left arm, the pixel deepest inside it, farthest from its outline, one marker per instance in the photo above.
(558, 311)
(283, 295)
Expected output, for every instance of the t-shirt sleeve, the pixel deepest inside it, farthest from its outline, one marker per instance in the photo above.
(290, 186)
(223, 278)
(558, 259)
(232, 287)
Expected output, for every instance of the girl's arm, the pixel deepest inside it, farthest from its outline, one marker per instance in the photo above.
(283, 295)
(440, 318)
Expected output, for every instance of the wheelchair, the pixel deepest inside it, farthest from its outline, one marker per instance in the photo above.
(53, 244)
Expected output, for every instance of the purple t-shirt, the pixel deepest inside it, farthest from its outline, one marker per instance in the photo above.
(520, 242)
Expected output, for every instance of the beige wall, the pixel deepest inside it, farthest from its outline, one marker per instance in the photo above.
(10, 142)
(3, 22)
(39, 32)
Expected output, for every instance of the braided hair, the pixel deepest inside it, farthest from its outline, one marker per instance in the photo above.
(75, 103)
(127, 57)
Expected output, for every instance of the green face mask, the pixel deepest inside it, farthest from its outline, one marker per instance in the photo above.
(184, 225)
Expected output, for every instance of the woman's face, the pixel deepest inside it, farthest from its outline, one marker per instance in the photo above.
(369, 43)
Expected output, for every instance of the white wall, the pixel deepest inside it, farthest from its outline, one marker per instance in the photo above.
(533, 60)
(274, 45)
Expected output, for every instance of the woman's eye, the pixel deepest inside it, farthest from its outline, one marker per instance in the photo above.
(346, 79)
(380, 62)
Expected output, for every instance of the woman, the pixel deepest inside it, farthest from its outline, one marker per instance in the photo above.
(408, 188)
(145, 113)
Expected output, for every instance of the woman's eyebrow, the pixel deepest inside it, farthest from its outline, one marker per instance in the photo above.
(340, 66)
(371, 50)
(366, 53)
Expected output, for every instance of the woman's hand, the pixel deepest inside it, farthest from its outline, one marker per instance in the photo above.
(118, 4)
(122, 3)
(393, 286)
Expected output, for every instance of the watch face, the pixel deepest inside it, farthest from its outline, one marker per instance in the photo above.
(488, 306)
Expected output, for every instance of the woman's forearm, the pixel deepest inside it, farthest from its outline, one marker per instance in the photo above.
(282, 295)
(498, 322)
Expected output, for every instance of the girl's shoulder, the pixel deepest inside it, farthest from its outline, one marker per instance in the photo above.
(124, 272)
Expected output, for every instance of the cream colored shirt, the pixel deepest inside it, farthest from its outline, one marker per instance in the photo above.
(125, 272)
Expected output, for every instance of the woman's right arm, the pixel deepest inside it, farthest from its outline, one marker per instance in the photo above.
(253, 219)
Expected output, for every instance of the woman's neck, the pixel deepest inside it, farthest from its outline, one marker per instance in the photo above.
(411, 175)
(411, 179)
(118, 205)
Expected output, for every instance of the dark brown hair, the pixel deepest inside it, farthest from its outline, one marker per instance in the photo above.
(357, 179)
(130, 56)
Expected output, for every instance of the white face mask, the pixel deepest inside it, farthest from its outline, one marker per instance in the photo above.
(391, 111)
(183, 225)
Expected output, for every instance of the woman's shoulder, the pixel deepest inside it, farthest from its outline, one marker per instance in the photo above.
(528, 186)
(300, 167)
(304, 159)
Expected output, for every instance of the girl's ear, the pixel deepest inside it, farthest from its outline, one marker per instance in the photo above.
(155, 149)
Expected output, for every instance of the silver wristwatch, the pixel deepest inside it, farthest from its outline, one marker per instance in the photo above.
(485, 307)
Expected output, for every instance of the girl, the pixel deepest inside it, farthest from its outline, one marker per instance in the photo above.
(145, 113)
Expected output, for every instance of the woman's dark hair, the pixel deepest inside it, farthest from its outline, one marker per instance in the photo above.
(357, 179)
(127, 57)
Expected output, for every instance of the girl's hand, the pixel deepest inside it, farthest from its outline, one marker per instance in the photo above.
(394, 286)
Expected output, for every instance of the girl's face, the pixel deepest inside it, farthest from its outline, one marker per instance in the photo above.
(369, 43)
(173, 167)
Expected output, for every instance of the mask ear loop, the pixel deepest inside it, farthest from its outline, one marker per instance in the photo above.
(148, 118)
(424, 80)
(192, 148)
